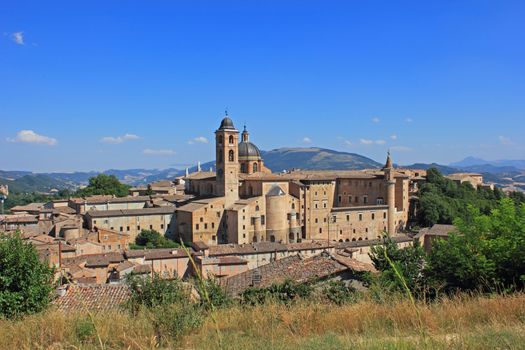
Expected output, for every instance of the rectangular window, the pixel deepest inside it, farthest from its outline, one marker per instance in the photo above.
(127, 228)
(213, 238)
(356, 199)
(365, 199)
(196, 226)
(373, 216)
(384, 215)
(263, 220)
(316, 220)
(151, 227)
(206, 226)
(348, 218)
(121, 228)
(340, 199)
(161, 226)
(360, 217)
(212, 225)
(138, 228)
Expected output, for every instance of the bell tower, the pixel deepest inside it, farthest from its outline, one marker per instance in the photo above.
(227, 161)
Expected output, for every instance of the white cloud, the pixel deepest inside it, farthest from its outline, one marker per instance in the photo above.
(198, 139)
(347, 142)
(375, 120)
(505, 141)
(18, 37)
(306, 139)
(119, 139)
(29, 136)
(401, 149)
(393, 137)
(159, 152)
(409, 120)
(372, 142)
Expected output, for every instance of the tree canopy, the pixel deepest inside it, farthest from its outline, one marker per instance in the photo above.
(152, 239)
(26, 283)
(441, 200)
(103, 184)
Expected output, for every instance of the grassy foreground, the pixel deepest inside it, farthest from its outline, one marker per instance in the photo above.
(460, 323)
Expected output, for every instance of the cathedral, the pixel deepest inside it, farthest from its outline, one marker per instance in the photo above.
(244, 202)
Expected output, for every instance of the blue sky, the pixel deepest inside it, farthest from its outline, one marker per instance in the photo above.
(91, 85)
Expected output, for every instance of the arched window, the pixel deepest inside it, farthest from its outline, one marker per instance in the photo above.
(243, 168)
(230, 139)
(293, 205)
(219, 139)
(255, 167)
(256, 208)
(231, 156)
(219, 155)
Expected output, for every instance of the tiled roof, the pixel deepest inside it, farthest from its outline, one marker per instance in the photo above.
(110, 199)
(157, 254)
(242, 249)
(293, 267)
(201, 175)
(366, 243)
(437, 230)
(98, 297)
(130, 212)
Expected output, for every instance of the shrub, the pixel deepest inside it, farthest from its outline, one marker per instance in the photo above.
(285, 292)
(176, 320)
(338, 292)
(212, 295)
(155, 291)
(26, 283)
(152, 239)
(84, 329)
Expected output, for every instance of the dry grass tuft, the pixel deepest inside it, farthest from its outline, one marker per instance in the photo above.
(460, 323)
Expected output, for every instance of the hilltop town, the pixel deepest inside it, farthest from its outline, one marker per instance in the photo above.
(241, 223)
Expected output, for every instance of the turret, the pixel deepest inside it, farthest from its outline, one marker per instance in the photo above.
(391, 194)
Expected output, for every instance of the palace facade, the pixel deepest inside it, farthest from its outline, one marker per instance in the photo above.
(244, 202)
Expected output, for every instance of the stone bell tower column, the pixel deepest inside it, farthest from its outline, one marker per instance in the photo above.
(227, 162)
(391, 194)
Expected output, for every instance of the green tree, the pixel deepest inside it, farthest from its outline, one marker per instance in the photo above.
(399, 266)
(485, 254)
(103, 184)
(26, 283)
(442, 200)
(152, 239)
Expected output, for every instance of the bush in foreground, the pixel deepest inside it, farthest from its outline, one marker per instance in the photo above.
(26, 283)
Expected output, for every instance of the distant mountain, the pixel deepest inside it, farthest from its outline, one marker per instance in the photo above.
(33, 183)
(277, 160)
(315, 159)
(502, 163)
(445, 170)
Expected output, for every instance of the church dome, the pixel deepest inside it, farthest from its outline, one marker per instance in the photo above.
(226, 123)
(248, 150)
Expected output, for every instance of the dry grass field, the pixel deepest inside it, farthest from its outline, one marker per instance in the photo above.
(459, 323)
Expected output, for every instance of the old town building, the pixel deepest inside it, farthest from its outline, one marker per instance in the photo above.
(243, 202)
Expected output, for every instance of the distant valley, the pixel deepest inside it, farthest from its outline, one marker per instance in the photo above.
(502, 172)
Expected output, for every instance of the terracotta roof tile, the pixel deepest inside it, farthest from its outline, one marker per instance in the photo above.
(101, 297)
